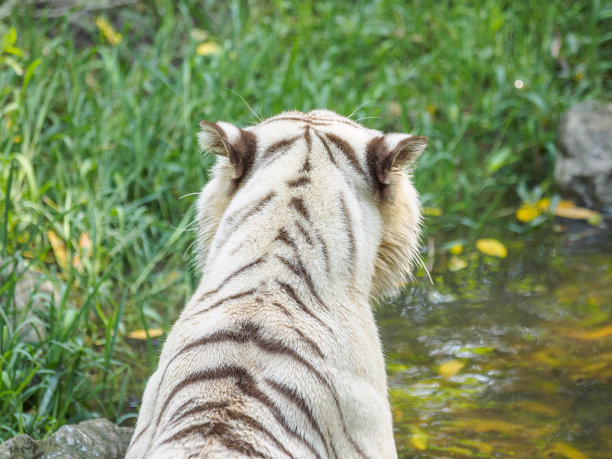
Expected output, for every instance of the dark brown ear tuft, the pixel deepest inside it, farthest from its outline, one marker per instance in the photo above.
(228, 140)
(393, 150)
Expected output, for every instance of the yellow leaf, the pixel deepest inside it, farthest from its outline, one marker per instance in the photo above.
(107, 30)
(208, 48)
(484, 447)
(450, 368)
(567, 209)
(589, 335)
(84, 241)
(536, 407)
(432, 211)
(59, 249)
(492, 247)
(456, 264)
(142, 334)
(456, 249)
(84, 245)
(528, 212)
(488, 425)
(566, 450)
(17, 139)
(543, 204)
(419, 439)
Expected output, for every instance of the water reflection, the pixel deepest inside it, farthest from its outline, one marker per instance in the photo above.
(507, 357)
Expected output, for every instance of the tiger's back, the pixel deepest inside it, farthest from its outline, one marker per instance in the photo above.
(306, 219)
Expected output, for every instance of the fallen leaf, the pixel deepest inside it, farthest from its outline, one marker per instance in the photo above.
(456, 264)
(567, 209)
(107, 30)
(537, 408)
(419, 439)
(208, 48)
(59, 249)
(565, 450)
(456, 249)
(432, 211)
(585, 335)
(142, 334)
(488, 425)
(450, 368)
(543, 204)
(528, 212)
(492, 247)
(85, 246)
(84, 241)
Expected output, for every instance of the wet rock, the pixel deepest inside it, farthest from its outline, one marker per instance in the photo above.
(96, 438)
(584, 165)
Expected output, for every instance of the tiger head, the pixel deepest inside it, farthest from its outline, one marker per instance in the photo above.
(329, 155)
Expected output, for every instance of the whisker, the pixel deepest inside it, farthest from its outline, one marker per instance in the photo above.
(245, 102)
(426, 270)
(357, 109)
(368, 118)
(189, 194)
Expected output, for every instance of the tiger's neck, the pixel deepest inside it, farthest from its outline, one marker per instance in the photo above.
(311, 245)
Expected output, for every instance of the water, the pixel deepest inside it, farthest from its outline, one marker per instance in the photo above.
(506, 358)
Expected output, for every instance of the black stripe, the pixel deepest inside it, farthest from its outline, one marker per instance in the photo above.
(284, 237)
(300, 271)
(224, 300)
(238, 218)
(349, 230)
(221, 432)
(247, 384)
(327, 149)
(300, 181)
(348, 152)
(324, 250)
(309, 342)
(284, 144)
(256, 425)
(181, 412)
(312, 121)
(282, 308)
(303, 232)
(289, 291)
(229, 277)
(293, 396)
(298, 204)
(137, 436)
(249, 332)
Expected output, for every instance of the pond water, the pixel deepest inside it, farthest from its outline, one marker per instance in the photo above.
(506, 358)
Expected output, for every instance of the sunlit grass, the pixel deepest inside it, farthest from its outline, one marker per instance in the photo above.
(97, 138)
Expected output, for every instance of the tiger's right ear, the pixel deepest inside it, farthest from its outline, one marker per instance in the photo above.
(225, 139)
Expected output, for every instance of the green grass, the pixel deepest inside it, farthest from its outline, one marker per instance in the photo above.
(99, 140)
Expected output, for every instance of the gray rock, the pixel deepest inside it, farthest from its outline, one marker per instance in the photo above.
(20, 447)
(96, 438)
(584, 165)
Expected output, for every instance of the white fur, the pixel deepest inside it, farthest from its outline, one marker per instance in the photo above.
(385, 230)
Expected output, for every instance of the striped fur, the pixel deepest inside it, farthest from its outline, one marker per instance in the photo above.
(307, 219)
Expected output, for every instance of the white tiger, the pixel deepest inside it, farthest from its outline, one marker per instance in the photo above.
(307, 218)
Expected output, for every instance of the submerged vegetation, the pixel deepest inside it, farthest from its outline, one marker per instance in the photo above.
(98, 166)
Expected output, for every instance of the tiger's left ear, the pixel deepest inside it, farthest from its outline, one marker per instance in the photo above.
(393, 150)
(225, 139)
